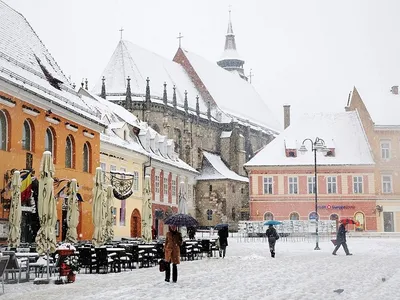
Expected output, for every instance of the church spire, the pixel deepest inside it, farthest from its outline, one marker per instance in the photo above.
(103, 88)
(128, 96)
(165, 98)
(230, 59)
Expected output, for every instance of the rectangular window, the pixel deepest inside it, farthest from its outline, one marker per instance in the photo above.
(332, 185)
(385, 150)
(357, 184)
(136, 181)
(268, 184)
(157, 184)
(165, 186)
(103, 168)
(311, 185)
(113, 168)
(122, 213)
(387, 184)
(173, 188)
(123, 170)
(293, 189)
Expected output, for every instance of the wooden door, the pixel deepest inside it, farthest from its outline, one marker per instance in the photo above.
(136, 224)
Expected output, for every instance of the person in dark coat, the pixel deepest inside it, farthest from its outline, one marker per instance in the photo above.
(172, 252)
(223, 240)
(272, 236)
(191, 232)
(341, 240)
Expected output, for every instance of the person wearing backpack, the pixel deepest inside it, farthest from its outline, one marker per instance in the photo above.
(272, 236)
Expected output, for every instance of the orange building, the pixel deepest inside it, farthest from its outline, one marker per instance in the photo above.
(39, 110)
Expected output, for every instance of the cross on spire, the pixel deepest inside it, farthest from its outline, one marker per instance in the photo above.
(250, 75)
(122, 29)
(180, 39)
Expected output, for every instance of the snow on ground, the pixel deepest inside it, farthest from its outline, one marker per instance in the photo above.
(297, 272)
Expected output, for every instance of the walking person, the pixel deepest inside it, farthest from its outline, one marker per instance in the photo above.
(172, 252)
(272, 236)
(223, 234)
(341, 240)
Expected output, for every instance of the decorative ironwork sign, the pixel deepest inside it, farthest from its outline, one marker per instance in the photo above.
(122, 184)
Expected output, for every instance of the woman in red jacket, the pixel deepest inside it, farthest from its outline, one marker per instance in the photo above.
(172, 251)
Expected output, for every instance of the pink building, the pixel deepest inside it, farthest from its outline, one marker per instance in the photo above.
(282, 181)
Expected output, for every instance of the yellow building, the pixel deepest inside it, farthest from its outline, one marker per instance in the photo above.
(378, 108)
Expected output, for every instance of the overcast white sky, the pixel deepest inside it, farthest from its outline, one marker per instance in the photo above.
(306, 53)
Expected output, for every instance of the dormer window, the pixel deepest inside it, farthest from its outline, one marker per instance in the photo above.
(330, 152)
(291, 152)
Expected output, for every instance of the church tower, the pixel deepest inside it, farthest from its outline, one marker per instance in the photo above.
(230, 59)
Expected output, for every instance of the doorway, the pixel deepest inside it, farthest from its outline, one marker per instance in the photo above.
(388, 221)
(136, 224)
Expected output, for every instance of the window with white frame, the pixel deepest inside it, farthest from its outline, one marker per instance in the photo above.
(268, 185)
(103, 169)
(165, 186)
(173, 188)
(311, 184)
(136, 181)
(332, 185)
(157, 184)
(387, 184)
(357, 184)
(293, 187)
(385, 149)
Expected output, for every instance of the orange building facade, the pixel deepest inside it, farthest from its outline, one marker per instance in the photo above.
(30, 130)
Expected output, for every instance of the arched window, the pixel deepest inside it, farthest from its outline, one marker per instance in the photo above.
(69, 152)
(268, 216)
(49, 141)
(313, 216)
(3, 131)
(209, 214)
(86, 157)
(294, 216)
(334, 217)
(27, 133)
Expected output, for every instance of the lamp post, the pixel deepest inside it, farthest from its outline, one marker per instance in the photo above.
(317, 145)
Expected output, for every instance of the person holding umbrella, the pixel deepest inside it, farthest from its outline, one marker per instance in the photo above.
(223, 240)
(172, 252)
(272, 236)
(341, 238)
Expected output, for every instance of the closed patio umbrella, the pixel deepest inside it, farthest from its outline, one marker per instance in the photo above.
(72, 213)
(109, 216)
(14, 219)
(99, 209)
(147, 219)
(46, 236)
(182, 206)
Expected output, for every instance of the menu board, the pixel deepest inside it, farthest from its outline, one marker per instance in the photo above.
(4, 228)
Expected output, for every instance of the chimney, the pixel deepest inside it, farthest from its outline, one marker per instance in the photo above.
(286, 116)
(395, 90)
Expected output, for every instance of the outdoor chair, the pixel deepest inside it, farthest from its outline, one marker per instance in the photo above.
(103, 260)
(3, 265)
(15, 266)
(206, 248)
(87, 259)
(133, 252)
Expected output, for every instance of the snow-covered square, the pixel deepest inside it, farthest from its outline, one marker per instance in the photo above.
(248, 272)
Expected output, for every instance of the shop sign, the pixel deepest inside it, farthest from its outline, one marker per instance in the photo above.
(339, 207)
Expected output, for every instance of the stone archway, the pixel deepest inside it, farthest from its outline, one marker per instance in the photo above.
(136, 224)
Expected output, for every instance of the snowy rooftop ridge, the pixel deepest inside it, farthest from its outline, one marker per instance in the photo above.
(341, 131)
(216, 169)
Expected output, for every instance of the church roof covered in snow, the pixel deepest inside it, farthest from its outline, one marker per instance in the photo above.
(214, 168)
(343, 135)
(232, 97)
(26, 63)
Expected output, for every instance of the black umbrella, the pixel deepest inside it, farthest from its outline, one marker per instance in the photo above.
(181, 220)
(220, 226)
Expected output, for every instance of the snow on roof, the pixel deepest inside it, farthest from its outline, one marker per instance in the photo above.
(215, 168)
(21, 50)
(139, 63)
(232, 94)
(343, 130)
(382, 105)
(230, 54)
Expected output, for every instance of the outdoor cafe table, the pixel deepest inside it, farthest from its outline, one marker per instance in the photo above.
(29, 256)
(117, 251)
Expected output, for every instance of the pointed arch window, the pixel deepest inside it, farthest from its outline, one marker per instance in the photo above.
(3, 131)
(27, 133)
(86, 157)
(69, 152)
(49, 141)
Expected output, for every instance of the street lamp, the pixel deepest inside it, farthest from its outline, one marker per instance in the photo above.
(317, 145)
